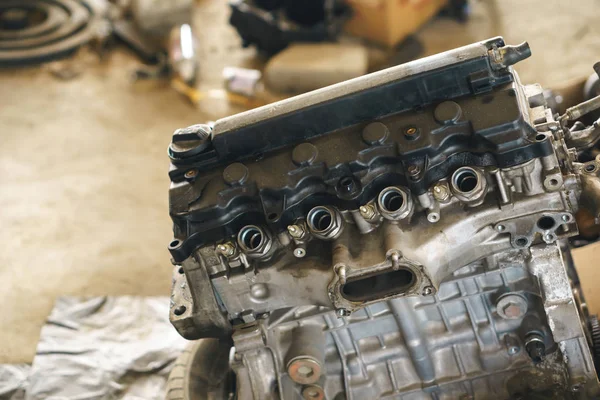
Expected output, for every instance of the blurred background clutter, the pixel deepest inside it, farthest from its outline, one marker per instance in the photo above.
(92, 90)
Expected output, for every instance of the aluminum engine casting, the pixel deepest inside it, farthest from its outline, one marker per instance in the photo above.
(401, 235)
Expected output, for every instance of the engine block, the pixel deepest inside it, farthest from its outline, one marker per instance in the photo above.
(401, 235)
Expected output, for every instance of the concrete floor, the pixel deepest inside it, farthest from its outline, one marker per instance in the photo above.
(83, 165)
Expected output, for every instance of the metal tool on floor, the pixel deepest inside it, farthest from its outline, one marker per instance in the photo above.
(161, 34)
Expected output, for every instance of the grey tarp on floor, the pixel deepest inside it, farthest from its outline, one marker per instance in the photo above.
(13, 381)
(101, 348)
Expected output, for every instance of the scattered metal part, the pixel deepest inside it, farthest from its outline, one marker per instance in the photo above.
(271, 27)
(148, 50)
(161, 34)
(34, 31)
(64, 70)
(243, 81)
(157, 18)
(182, 54)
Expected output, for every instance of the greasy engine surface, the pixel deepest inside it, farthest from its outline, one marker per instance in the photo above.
(400, 235)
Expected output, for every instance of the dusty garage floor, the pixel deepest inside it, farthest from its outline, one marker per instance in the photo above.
(83, 166)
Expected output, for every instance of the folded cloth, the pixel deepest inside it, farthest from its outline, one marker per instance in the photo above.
(104, 348)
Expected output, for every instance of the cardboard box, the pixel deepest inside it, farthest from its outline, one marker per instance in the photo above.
(586, 262)
(388, 22)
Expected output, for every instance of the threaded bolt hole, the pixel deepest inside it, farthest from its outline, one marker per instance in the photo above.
(346, 182)
(590, 168)
(433, 217)
(522, 242)
(411, 133)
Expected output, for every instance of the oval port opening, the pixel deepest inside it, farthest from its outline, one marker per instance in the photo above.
(392, 200)
(251, 237)
(465, 180)
(379, 286)
(320, 219)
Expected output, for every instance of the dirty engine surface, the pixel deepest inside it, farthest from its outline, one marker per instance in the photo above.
(403, 235)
